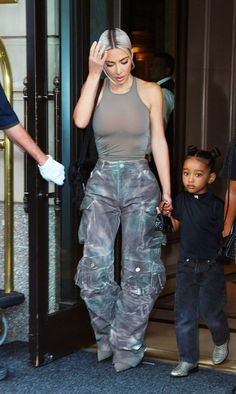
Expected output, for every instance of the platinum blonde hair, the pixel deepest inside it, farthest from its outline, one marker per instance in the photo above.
(115, 38)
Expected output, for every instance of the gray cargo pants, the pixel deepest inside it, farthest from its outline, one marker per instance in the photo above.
(123, 192)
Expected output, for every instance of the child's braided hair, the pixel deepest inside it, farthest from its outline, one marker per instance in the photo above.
(208, 157)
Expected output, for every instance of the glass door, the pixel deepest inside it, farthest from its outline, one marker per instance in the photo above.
(59, 34)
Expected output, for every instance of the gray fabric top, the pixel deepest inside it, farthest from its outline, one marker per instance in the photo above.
(121, 124)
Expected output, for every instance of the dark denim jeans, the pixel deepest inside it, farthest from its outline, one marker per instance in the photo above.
(200, 293)
(120, 192)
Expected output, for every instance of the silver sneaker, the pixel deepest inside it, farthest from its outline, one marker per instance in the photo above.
(220, 353)
(183, 369)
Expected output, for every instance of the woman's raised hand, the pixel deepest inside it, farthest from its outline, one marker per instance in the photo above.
(97, 58)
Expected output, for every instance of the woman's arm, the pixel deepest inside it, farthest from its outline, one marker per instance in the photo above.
(84, 107)
(158, 141)
(230, 207)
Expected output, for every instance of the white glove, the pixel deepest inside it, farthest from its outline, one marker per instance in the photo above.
(52, 171)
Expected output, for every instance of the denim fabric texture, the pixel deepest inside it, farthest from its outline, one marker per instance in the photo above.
(200, 293)
(126, 193)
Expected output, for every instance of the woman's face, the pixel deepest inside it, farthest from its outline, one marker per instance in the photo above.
(118, 65)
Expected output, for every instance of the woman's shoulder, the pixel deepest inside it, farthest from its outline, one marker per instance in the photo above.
(149, 91)
(148, 86)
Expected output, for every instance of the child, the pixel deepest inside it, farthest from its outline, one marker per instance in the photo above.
(200, 281)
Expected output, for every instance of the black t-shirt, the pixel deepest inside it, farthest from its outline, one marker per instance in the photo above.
(8, 117)
(201, 219)
(229, 168)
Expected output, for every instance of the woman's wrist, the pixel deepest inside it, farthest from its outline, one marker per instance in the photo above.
(167, 201)
(166, 195)
(94, 77)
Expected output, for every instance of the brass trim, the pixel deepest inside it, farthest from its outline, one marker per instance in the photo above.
(8, 1)
(2, 143)
(8, 179)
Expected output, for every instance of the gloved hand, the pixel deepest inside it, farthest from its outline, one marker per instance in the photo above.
(52, 171)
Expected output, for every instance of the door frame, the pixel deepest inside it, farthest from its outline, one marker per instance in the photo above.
(60, 333)
(57, 334)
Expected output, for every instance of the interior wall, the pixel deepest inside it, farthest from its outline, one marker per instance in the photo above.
(211, 82)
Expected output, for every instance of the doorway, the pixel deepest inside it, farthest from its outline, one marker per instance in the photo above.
(58, 40)
(59, 322)
(157, 27)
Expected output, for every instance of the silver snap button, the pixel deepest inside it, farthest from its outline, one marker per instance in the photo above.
(137, 269)
(92, 265)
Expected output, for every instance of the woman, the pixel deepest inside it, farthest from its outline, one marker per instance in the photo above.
(127, 124)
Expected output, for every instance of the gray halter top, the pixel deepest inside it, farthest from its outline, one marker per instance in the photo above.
(121, 124)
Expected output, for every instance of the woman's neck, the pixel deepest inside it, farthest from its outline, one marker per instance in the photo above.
(124, 88)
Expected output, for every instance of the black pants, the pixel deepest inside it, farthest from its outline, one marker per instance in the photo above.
(200, 293)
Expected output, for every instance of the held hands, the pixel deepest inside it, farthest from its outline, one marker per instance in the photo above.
(163, 221)
(52, 171)
(97, 58)
(165, 206)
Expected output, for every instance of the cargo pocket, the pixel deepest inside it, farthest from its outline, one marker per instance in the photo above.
(142, 278)
(91, 277)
